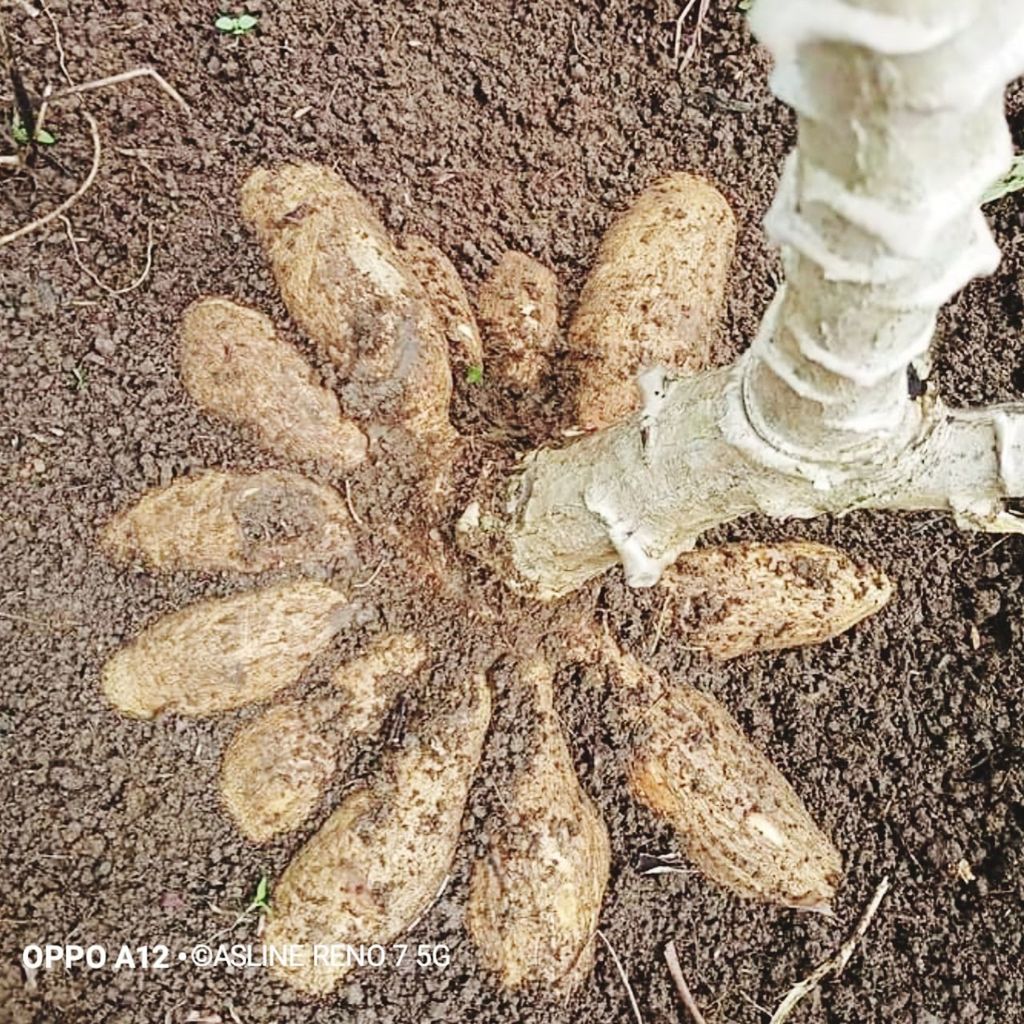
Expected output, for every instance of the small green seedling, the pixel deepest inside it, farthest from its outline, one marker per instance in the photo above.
(261, 898)
(235, 25)
(20, 134)
(1011, 181)
(79, 378)
(474, 374)
(745, 5)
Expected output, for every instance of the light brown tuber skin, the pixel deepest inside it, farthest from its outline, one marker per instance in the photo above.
(363, 680)
(226, 653)
(740, 822)
(447, 293)
(381, 857)
(653, 296)
(238, 522)
(535, 899)
(277, 768)
(345, 284)
(235, 366)
(736, 599)
(517, 307)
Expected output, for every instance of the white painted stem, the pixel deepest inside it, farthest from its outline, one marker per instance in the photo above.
(901, 128)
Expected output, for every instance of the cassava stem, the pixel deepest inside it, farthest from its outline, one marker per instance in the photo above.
(878, 213)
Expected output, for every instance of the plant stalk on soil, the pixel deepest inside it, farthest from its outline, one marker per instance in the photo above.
(901, 129)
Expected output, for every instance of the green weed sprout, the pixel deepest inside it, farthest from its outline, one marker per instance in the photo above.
(235, 25)
(1011, 181)
(261, 898)
(20, 134)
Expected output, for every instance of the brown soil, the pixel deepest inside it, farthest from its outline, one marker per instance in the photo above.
(484, 126)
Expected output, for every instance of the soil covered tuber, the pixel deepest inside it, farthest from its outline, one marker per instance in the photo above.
(276, 768)
(447, 293)
(518, 310)
(225, 653)
(535, 899)
(654, 295)
(364, 679)
(735, 599)
(345, 284)
(739, 820)
(236, 367)
(378, 861)
(232, 521)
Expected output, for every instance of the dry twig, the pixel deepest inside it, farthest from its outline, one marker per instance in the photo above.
(50, 97)
(691, 49)
(622, 974)
(57, 211)
(373, 576)
(351, 508)
(28, 620)
(124, 76)
(685, 996)
(835, 964)
(59, 44)
(433, 903)
(94, 277)
(662, 615)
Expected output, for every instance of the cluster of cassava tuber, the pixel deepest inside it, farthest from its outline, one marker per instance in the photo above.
(366, 874)
(692, 446)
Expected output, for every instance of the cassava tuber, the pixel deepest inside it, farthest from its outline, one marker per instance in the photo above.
(235, 366)
(380, 858)
(276, 768)
(345, 284)
(232, 521)
(653, 296)
(225, 653)
(447, 293)
(740, 822)
(518, 310)
(734, 599)
(535, 898)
